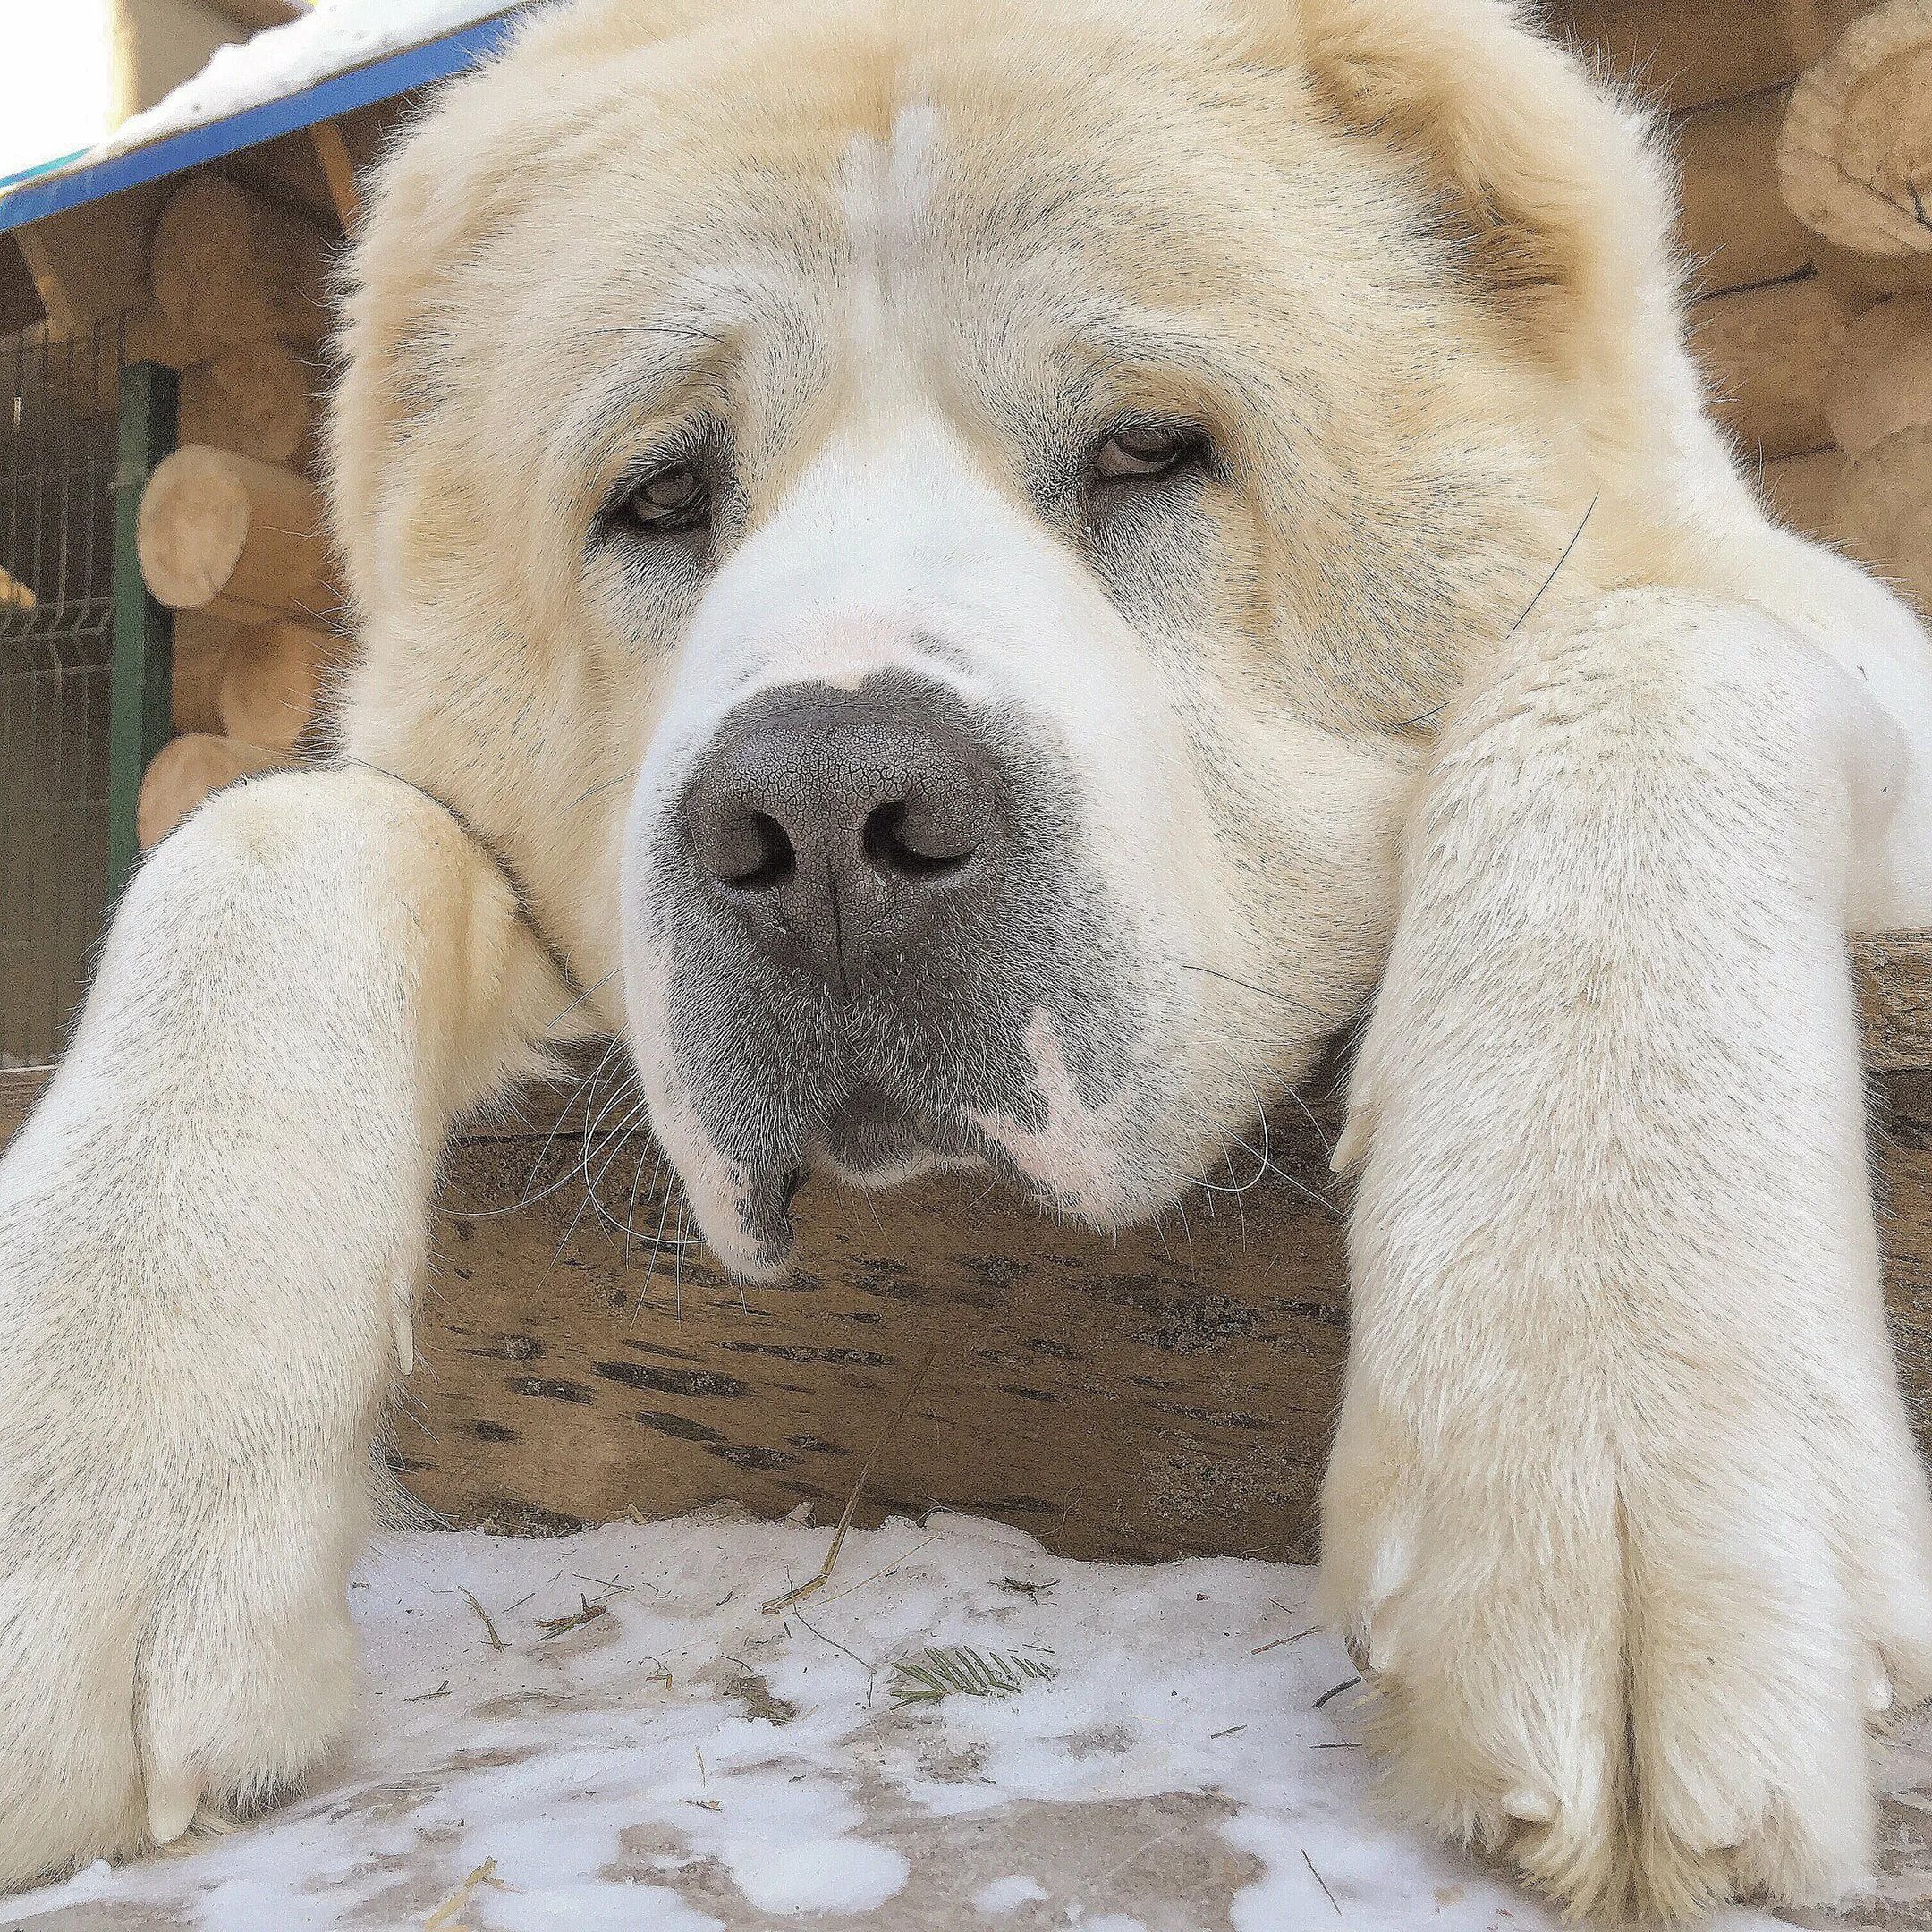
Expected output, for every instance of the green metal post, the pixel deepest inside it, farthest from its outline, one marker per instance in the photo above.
(141, 699)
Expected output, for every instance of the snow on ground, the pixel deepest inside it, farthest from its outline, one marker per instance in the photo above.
(335, 36)
(685, 1761)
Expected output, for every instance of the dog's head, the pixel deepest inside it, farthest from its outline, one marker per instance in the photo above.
(932, 532)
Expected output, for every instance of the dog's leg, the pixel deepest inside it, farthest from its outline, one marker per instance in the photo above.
(1623, 1519)
(209, 1233)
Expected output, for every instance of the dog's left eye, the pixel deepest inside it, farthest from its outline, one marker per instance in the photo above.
(676, 498)
(1146, 450)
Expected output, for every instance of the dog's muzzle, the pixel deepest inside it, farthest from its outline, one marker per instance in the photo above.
(869, 937)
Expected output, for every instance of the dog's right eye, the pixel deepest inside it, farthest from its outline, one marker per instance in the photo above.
(674, 498)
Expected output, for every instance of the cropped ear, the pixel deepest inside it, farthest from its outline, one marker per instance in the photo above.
(1548, 180)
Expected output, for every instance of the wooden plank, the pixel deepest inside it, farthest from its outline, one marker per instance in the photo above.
(91, 262)
(338, 170)
(1733, 223)
(1685, 53)
(1125, 1396)
(1893, 976)
(1768, 354)
(20, 1088)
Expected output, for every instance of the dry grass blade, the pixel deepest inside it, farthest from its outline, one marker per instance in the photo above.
(443, 1918)
(587, 1612)
(1322, 1882)
(813, 1584)
(489, 1622)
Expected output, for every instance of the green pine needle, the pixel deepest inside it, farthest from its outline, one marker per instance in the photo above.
(962, 1672)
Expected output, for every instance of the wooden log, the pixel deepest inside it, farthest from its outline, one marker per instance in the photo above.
(146, 335)
(236, 269)
(1882, 380)
(567, 1375)
(1810, 26)
(188, 769)
(228, 534)
(90, 263)
(273, 677)
(1882, 506)
(201, 656)
(1798, 490)
(1734, 224)
(1857, 282)
(254, 400)
(1143, 1396)
(1767, 353)
(1855, 153)
(1687, 53)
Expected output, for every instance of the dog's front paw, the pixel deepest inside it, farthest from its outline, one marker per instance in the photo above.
(144, 1685)
(1645, 1678)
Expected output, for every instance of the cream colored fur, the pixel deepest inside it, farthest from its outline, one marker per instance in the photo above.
(1623, 1517)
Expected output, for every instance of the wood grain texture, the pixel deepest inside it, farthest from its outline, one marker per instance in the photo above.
(1768, 354)
(1684, 53)
(1733, 223)
(1159, 1392)
(226, 533)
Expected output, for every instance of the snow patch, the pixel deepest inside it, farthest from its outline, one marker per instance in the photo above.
(999, 1896)
(684, 1762)
(333, 37)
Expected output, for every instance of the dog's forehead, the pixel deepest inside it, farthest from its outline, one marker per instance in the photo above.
(697, 171)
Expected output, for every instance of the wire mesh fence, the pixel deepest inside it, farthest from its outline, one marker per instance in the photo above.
(59, 451)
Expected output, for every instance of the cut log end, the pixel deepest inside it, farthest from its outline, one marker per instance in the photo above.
(1855, 152)
(228, 534)
(236, 269)
(187, 771)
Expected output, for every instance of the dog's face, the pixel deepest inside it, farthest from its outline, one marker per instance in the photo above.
(932, 540)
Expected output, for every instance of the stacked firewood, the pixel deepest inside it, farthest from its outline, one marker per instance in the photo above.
(231, 528)
(1804, 129)
(1855, 165)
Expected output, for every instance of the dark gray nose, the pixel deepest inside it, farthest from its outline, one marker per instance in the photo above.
(842, 827)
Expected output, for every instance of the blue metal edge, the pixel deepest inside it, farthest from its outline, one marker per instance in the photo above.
(380, 79)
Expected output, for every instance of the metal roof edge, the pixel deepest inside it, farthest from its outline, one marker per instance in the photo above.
(39, 196)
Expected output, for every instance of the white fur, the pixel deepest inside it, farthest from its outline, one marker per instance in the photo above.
(1623, 1517)
(208, 1233)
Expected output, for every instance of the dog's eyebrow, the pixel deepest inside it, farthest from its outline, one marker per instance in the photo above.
(663, 365)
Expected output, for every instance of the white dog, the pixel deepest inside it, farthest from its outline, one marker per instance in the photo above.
(970, 574)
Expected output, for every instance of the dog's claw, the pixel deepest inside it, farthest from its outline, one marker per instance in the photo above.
(1528, 1806)
(172, 1802)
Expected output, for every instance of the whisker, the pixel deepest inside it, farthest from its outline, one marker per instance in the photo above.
(1247, 985)
(596, 986)
(1422, 718)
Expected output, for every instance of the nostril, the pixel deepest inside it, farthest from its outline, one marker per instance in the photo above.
(904, 845)
(754, 853)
